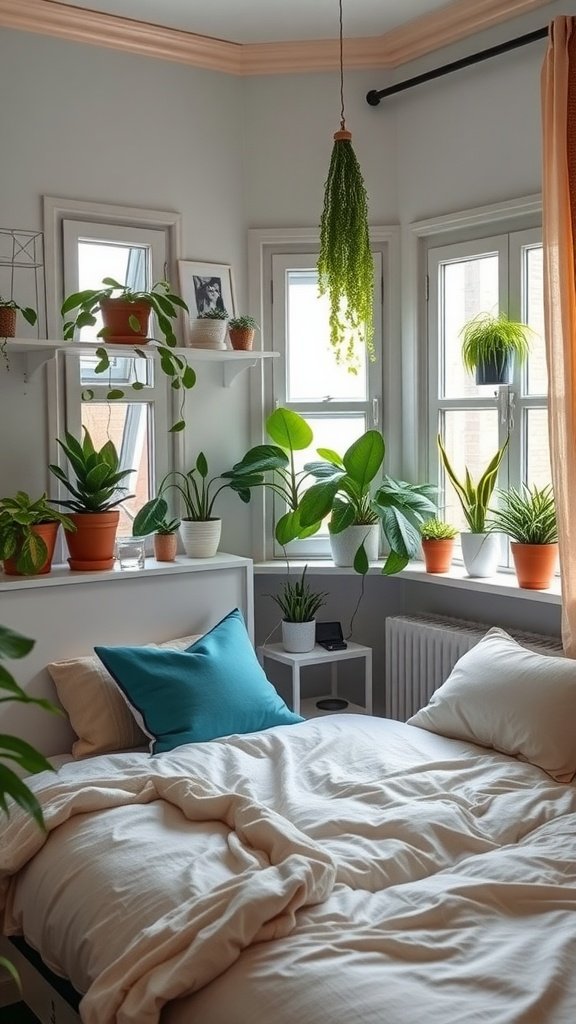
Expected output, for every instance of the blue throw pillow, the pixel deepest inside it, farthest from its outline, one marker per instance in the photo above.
(214, 688)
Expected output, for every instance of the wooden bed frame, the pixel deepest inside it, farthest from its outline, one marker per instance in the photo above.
(67, 614)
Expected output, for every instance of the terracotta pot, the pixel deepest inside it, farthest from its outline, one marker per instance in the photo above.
(241, 338)
(535, 564)
(48, 532)
(92, 546)
(7, 322)
(116, 315)
(165, 546)
(438, 554)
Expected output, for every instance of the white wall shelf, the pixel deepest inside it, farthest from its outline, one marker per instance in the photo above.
(36, 352)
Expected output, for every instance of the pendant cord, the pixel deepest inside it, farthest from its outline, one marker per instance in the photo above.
(342, 120)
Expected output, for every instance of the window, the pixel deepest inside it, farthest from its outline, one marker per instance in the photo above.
(338, 405)
(501, 272)
(84, 243)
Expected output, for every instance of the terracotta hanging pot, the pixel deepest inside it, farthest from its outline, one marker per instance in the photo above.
(7, 322)
(48, 532)
(92, 546)
(535, 564)
(165, 546)
(438, 554)
(241, 338)
(116, 316)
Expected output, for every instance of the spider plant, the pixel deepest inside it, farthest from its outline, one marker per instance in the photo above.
(528, 515)
(494, 340)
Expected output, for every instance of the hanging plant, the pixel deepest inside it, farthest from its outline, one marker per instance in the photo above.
(345, 264)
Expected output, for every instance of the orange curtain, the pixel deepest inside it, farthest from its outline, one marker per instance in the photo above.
(559, 236)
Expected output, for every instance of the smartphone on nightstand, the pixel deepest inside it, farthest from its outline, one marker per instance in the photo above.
(329, 635)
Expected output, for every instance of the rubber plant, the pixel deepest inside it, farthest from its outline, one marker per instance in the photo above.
(345, 265)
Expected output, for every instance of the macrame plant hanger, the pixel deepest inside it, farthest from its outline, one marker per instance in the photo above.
(345, 264)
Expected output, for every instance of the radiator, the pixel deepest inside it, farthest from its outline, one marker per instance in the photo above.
(421, 651)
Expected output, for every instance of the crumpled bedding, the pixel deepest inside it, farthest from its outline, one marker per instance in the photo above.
(340, 871)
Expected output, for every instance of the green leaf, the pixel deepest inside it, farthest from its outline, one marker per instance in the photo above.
(177, 427)
(394, 563)
(87, 395)
(287, 528)
(317, 501)
(330, 456)
(202, 465)
(149, 517)
(11, 970)
(138, 385)
(260, 459)
(188, 378)
(114, 394)
(364, 458)
(29, 759)
(14, 645)
(342, 516)
(104, 363)
(12, 785)
(289, 430)
(361, 564)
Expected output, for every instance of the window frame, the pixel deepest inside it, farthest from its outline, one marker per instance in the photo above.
(512, 403)
(63, 221)
(263, 244)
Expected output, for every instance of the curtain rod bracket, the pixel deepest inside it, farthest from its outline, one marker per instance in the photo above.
(375, 95)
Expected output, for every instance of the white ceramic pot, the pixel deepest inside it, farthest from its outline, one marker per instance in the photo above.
(480, 553)
(298, 637)
(208, 334)
(200, 538)
(345, 544)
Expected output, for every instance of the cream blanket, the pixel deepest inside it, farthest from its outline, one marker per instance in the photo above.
(324, 872)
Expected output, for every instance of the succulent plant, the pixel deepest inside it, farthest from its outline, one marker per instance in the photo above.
(213, 314)
(243, 322)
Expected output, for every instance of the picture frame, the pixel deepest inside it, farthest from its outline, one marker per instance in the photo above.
(206, 286)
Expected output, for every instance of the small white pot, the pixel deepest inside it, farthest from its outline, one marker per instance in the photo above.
(298, 637)
(208, 334)
(200, 538)
(345, 544)
(480, 553)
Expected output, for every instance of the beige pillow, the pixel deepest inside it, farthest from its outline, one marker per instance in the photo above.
(98, 713)
(501, 695)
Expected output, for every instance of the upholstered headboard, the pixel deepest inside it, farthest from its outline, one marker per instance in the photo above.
(68, 613)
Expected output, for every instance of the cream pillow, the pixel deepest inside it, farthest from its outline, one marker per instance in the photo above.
(98, 713)
(501, 695)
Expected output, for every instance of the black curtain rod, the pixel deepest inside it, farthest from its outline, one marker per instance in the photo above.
(375, 95)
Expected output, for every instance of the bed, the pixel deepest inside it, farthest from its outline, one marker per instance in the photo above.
(339, 870)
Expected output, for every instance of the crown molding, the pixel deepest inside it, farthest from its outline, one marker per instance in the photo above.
(451, 23)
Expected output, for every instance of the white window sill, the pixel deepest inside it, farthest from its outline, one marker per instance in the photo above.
(62, 575)
(502, 584)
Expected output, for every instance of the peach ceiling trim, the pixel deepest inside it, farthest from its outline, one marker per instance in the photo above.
(455, 21)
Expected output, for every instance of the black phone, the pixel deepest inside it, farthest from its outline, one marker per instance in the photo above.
(329, 635)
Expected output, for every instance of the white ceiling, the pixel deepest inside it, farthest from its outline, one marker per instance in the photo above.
(264, 21)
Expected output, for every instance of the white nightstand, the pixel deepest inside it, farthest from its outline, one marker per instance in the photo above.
(320, 656)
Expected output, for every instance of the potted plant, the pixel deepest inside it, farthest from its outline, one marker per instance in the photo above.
(528, 517)
(208, 330)
(8, 315)
(199, 529)
(490, 344)
(358, 510)
(437, 544)
(28, 531)
(299, 605)
(125, 315)
(273, 466)
(95, 484)
(241, 331)
(479, 544)
(166, 540)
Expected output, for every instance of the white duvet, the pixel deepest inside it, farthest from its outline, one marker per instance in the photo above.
(341, 871)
